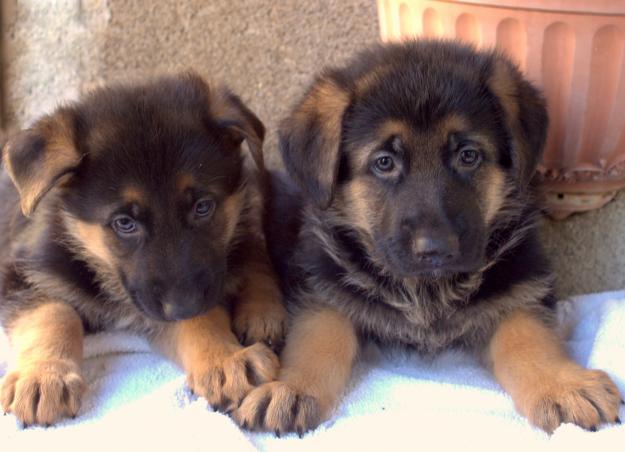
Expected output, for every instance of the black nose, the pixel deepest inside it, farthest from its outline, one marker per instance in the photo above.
(435, 247)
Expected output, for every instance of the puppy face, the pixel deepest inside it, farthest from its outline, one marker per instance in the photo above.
(416, 148)
(153, 187)
(422, 198)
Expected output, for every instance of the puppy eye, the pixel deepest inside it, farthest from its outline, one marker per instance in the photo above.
(469, 157)
(124, 225)
(203, 208)
(384, 163)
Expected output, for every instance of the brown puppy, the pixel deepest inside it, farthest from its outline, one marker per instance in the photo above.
(136, 209)
(413, 224)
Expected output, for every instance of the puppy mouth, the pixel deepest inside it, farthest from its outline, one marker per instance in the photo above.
(433, 270)
(148, 311)
(177, 302)
(171, 312)
(159, 312)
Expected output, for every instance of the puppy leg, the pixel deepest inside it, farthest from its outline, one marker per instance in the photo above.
(317, 362)
(46, 384)
(546, 385)
(218, 368)
(259, 315)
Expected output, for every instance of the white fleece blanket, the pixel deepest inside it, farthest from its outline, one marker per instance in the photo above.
(138, 401)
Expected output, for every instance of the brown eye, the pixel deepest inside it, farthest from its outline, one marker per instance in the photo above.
(124, 225)
(469, 157)
(203, 208)
(384, 163)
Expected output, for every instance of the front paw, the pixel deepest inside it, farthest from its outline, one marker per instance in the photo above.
(225, 381)
(260, 322)
(577, 395)
(277, 407)
(43, 392)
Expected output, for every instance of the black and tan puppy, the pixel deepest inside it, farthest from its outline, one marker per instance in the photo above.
(136, 209)
(415, 225)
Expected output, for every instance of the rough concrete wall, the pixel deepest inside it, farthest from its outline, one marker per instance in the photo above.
(267, 51)
(47, 50)
(588, 250)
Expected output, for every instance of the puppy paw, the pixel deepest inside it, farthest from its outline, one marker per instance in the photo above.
(577, 395)
(260, 322)
(278, 408)
(224, 382)
(43, 392)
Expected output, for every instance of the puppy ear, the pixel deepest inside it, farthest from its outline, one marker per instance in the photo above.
(232, 115)
(310, 139)
(526, 115)
(37, 158)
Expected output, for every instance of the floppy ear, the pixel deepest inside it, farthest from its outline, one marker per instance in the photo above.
(232, 115)
(526, 115)
(37, 158)
(310, 139)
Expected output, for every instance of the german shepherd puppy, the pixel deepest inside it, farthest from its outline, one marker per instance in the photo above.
(414, 224)
(136, 209)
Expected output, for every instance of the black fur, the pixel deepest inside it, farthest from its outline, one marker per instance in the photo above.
(368, 271)
(144, 137)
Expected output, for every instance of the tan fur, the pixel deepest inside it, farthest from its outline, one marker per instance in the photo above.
(371, 79)
(347, 261)
(6, 161)
(225, 109)
(133, 195)
(390, 128)
(546, 385)
(184, 181)
(395, 127)
(217, 366)
(329, 102)
(232, 207)
(358, 205)
(362, 155)
(494, 190)
(259, 314)
(58, 254)
(494, 194)
(316, 366)
(46, 384)
(59, 155)
(451, 124)
(505, 88)
(92, 238)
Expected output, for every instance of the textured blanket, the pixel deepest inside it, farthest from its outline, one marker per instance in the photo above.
(137, 400)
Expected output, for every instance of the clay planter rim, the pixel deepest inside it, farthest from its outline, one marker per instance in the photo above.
(581, 187)
(600, 7)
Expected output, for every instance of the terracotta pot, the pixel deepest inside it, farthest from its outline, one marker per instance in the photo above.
(574, 50)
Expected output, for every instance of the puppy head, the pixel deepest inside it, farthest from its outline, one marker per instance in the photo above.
(417, 148)
(150, 182)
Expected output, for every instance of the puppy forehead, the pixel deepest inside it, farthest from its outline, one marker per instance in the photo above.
(183, 181)
(136, 163)
(410, 133)
(424, 85)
